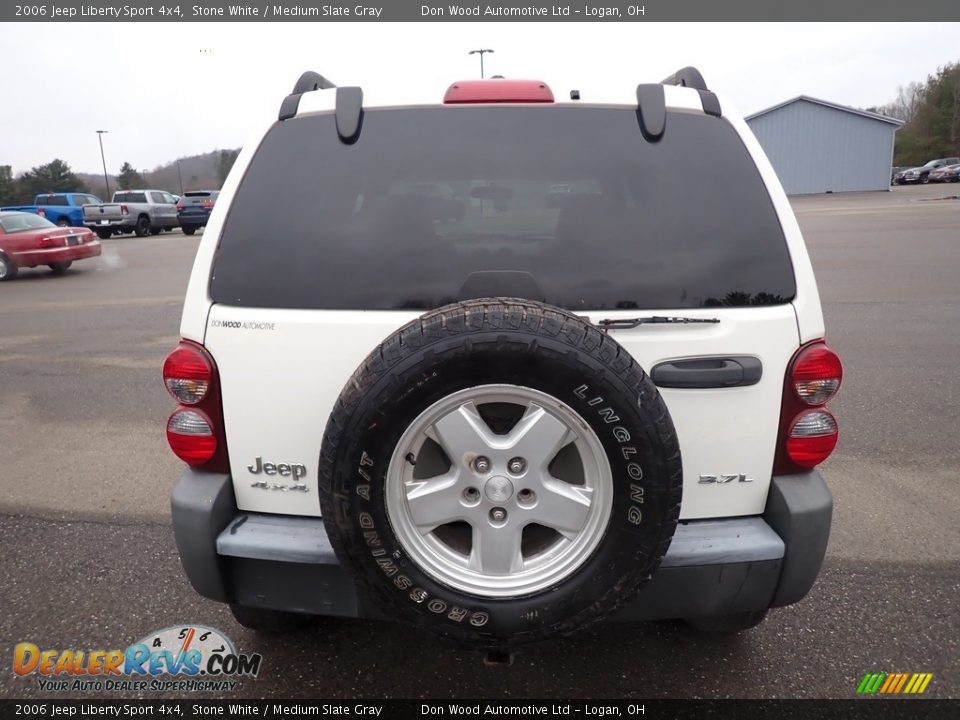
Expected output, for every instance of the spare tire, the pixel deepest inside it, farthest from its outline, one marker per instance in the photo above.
(500, 472)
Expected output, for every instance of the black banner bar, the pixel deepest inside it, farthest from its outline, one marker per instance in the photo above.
(866, 709)
(470, 11)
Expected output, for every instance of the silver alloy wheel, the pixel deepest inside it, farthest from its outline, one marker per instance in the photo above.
(499, 533)
(4, 268)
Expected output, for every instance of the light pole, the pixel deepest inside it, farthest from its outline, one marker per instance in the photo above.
(180, 177)
(106, 179)
(481, 53)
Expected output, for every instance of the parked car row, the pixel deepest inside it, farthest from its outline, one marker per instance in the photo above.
(142, 212)
(923, 174)
(60, 228)
(149, 212)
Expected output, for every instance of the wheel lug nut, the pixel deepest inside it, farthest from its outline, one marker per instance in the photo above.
(481, 464)
(517, 465)
(498, 515)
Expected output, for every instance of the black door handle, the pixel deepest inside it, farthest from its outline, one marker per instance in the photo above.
(711, 372)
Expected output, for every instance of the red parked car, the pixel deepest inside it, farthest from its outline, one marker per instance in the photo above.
(28, 240)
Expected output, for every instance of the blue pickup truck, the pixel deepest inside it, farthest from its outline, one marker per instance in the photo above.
(63, 209)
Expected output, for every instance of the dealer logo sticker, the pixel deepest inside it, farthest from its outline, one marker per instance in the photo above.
(181, 658)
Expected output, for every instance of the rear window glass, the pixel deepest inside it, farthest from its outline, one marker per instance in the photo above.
(53, 200)
(567, 205)
(129, 197)
(21, 222)
(196, 194)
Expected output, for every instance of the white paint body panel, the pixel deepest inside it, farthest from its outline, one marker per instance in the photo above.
(279, 385)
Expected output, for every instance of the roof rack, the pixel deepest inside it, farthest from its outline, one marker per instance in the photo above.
(690, 77)
(651, 103)
(308, 82)
(686, 77)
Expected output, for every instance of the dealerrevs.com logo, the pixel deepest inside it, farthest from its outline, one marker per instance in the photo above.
(183, 658)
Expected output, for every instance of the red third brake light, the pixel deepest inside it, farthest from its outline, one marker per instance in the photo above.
(195, 429)
(808, 432)
(498, 91)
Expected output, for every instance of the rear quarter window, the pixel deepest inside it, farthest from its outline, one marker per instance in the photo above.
(571, 206)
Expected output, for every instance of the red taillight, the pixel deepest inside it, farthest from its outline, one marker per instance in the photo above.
(207, 205)
(45, 242)
(179, 206)
(195, 429)
(191, 436)
(498, 91)
(124, 210)
(41, 212)
(187, 373)
(808, 432)
(811, 438)
(817, 374)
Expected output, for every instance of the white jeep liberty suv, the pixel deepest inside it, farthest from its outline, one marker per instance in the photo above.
(503, 365)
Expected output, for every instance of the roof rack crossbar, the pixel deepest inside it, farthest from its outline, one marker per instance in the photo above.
(690, 77)
(686, 77)
(311, 81)
(308, 82)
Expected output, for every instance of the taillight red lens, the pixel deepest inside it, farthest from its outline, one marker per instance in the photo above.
(195, 429)
(808, 432)
(812, 437)
(817, 373)
(191, 436)
(186, 373)
(206, 205)
(45, 242)
(124, 210)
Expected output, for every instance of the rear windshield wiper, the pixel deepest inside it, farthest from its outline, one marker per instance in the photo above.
(627, 323)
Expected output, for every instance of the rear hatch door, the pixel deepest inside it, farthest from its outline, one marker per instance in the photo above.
(568, 205)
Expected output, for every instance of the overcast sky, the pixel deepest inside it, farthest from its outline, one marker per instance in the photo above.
(167, 90)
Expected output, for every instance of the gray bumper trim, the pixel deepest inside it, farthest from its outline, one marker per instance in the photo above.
(713, 542)
(713, 567)
(277, 537)
(304, 540)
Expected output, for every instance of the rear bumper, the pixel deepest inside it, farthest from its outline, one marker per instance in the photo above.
(713, 567)
(110, 223)
(193, 220)
(47, 256)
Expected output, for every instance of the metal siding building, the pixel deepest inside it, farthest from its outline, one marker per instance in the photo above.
(818, 146)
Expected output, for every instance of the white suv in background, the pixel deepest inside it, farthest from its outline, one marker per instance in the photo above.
(503, 365)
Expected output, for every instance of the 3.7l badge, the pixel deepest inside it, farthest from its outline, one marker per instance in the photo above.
(724, 478)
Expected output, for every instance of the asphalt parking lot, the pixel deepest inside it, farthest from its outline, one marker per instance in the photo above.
(89, 559)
